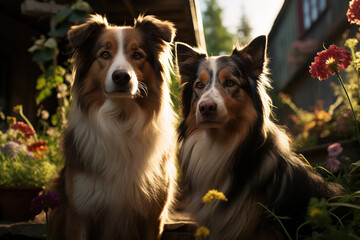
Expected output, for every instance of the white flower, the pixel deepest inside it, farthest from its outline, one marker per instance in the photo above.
(45, 114)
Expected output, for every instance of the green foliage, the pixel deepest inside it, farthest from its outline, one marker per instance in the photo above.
(26, 171)
(337, 218)
(175, 93)
(44, 50)
(45, 53)
(244, 30)
(218, 39)
(48, 81)
(74, 15)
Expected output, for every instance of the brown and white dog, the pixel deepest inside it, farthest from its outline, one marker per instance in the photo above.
(118, 180)
(230, 144)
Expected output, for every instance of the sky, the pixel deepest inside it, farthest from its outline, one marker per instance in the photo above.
(260, 13)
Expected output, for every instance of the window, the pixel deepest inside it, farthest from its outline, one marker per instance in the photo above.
(310, 11)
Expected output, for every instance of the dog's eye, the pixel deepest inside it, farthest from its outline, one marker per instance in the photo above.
(105, 55)
(199, 85)
(229, 83)
(137, 55)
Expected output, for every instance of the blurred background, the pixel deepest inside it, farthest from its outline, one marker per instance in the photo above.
(33, 39)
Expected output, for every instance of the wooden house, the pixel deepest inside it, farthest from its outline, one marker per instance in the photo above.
(300, 30)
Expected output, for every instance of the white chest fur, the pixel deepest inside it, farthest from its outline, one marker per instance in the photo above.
(124, 154)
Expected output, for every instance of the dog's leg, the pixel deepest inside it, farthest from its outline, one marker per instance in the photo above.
(74, 226)
(154, 229)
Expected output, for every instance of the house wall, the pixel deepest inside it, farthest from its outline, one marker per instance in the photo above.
(293, 77)
(18, 71)
(280, 41)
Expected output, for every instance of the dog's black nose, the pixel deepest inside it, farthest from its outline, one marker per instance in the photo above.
(207, 108)
(121, 78)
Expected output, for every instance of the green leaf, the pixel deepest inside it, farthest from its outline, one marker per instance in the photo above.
(61, 30)
(40, 41)
(56, 81)
(49, 72)
(43, 94)
(61, 16)
(55, 119)
(60, 70)
(78, 17)
(40, 83)
(46, 54)
(33, 48)
(356, 164)
(50, 43)
(82, 6)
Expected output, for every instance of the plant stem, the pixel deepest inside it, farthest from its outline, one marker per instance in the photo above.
(349, 205)
(47, 226)
(337, 218)
(352, 108)
(28, 123)
(298, 229)
(277, 218)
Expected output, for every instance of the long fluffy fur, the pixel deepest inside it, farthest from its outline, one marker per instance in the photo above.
(249, 158)
(119, 177)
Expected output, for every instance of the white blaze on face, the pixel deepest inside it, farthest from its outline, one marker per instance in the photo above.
(212, 93)
(121, 63)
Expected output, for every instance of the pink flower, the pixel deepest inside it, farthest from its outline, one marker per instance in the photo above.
(335, 150)
(353, 13)
(330, 61)
(47, 201)
(333, 164)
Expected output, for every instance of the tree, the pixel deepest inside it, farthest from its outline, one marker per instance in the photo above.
(244, 29)
(217, 37)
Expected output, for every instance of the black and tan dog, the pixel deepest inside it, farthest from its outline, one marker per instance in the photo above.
(230, 144)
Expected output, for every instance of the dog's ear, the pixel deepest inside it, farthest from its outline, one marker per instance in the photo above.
(253, 55)
(80, 34)
(187, 62)
(187, 58)
(156, 29)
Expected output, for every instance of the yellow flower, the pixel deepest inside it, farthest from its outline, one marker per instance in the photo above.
(11, 120)
(314, 212)
(18, 109)
(211, 194)
(202, 232)
(351, 42)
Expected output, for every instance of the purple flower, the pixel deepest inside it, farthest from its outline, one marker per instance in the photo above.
(335, 150)
(10, 149)
(47, 201)
(333, 164)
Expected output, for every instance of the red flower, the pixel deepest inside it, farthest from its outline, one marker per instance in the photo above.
(24, 128)
(329, 62)
(37, 147)
(353, 13)
(47, 201)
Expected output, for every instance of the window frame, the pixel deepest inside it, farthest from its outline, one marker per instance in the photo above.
(312, 17)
